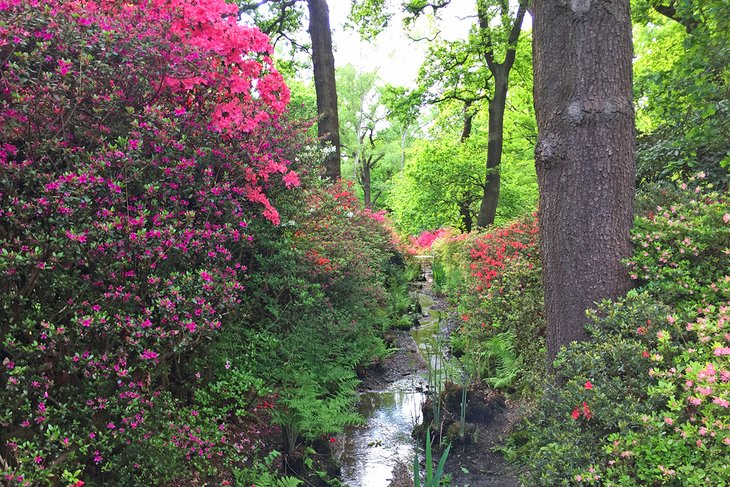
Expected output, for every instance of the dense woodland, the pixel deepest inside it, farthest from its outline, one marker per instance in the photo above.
(209, 217)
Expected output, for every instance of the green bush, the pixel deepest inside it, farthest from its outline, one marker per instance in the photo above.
(322, 289)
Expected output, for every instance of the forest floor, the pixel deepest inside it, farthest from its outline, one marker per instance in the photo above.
(489, 416)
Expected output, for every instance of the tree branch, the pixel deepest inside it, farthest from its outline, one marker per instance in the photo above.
(514, 34)
(670, 12)
(417, 8)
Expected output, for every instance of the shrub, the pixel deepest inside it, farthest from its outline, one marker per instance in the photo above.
(321, 289)
(424, 241)
(495, 278)
(137, 142)
(646, 401)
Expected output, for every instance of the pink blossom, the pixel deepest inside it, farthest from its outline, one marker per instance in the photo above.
(63, 67)
(721, 402)
(291, 179)
(149, 355)
(721, 351)
(705, 391)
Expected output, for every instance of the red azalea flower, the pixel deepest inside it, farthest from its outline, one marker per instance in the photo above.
(586, 411)
(575, 414)
(588, 385)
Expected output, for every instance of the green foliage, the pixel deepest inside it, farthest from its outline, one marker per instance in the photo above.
(232, 394)
(439, 275)
(495, 279)
(441, 184)
(371, 145)
(682, 82)
(441, 180)
(681, 246)
(646, 401)
(433, 479)
(322, 288)
(311, 405)
(496, 361)
(263, 474)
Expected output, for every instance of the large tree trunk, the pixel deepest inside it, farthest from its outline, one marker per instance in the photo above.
(490, 198)
(584, 156)
(328, 127)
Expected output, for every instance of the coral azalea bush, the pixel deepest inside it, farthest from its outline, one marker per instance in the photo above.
(494, 278)
(138, 140)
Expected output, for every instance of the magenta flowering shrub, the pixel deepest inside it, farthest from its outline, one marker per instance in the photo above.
(138, 140)
(423, 242)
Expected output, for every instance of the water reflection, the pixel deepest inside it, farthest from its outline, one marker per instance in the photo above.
(369, 452)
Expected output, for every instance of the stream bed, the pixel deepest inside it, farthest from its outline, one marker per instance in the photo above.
(368, 453)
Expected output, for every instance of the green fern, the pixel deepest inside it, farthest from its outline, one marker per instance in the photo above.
(312, 406)
(499, 360)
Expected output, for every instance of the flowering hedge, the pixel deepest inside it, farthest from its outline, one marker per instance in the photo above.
(422, 243)
(138, 140)
(492, 251)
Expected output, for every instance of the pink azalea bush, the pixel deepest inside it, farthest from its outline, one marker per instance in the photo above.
(658, 362)
(138, 141)
(424, 241)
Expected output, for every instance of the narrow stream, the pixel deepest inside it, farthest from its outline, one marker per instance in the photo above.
(371, 451)
(368, 453)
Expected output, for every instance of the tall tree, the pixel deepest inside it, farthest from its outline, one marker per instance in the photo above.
(280, 19)
(325, 84)
(584, 156)
(361, 120)
(497, 103)
(470, 71)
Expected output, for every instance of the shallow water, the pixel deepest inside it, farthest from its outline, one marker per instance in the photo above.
(369, 452)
